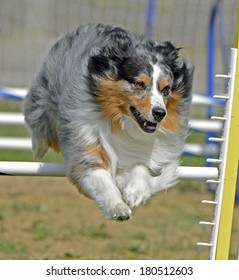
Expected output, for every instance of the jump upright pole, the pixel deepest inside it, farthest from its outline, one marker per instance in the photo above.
(230, 179)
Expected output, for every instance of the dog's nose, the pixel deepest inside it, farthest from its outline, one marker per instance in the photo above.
(158, 113)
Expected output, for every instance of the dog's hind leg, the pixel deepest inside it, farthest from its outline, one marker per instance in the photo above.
(37, 120)
(39, 147)
(38, 124)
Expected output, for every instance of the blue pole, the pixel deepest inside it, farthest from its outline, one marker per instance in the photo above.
(210, 69)
(8, 95)
(150, 16)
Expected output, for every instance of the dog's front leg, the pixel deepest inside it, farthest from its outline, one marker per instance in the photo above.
(135, 186)
(98, 185)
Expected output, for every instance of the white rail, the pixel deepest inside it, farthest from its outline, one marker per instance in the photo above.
(25, 144)
(226, 119)
(12, 143)
(198, 125)
(58, 170)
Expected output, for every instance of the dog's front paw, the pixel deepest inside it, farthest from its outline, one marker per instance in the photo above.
(120, 212)
(136, 193)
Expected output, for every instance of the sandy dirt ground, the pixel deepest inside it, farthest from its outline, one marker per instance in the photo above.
(46, 218)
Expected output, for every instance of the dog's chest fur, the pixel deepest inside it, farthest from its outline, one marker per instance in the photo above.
(126, 151)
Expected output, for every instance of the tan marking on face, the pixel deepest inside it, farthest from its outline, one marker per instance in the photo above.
(162, 84)
(146, 79)
(141, 103)
(115, 103)
(98, 153)
(172, 120)
(108, 97)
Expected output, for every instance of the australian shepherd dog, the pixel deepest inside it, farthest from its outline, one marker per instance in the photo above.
(116, 105)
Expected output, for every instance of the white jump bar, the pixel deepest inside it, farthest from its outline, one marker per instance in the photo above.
(58, 170)
(11, 119)
(11, 143)
(199, 125)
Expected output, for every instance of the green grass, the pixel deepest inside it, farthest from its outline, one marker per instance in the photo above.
(13, 248)
(41, 230)
(10, 105)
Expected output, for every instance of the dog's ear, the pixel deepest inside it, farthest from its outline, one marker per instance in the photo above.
(169, 54)
(98, 64)
(183, 78)
(166, 49)
(182, 70)
(105, 65)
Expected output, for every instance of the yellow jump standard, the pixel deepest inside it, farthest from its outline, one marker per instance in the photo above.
(230, 179)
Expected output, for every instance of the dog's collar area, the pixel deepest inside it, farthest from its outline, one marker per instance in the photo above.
(145, 125)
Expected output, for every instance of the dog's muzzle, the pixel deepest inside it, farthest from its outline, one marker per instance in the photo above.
(145, 124)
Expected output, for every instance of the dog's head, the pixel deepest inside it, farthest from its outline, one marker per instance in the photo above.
(145, 81)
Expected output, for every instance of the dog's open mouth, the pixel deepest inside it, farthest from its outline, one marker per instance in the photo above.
(146, 125)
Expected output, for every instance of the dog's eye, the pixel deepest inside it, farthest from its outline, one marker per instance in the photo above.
(139, 85)
(166, 91)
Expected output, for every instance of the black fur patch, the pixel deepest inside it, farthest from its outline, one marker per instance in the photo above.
(98, 65)
(131, 68)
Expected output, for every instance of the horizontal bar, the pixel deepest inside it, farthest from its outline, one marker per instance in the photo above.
(199, 125)
(218, 118)
(206, 223)
(11, 143)
(221, 97)
(205, 125)
(32, 168)
(204, 244)
(213, 181)
(198, 173)
(223, 76)
(58, 170)
(213, 160)
(201, 149)
(216, 139)
(209, 202)
(202, 99)
(11, 119)
(13, 93)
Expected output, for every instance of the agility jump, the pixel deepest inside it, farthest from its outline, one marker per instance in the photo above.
(224, 176)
